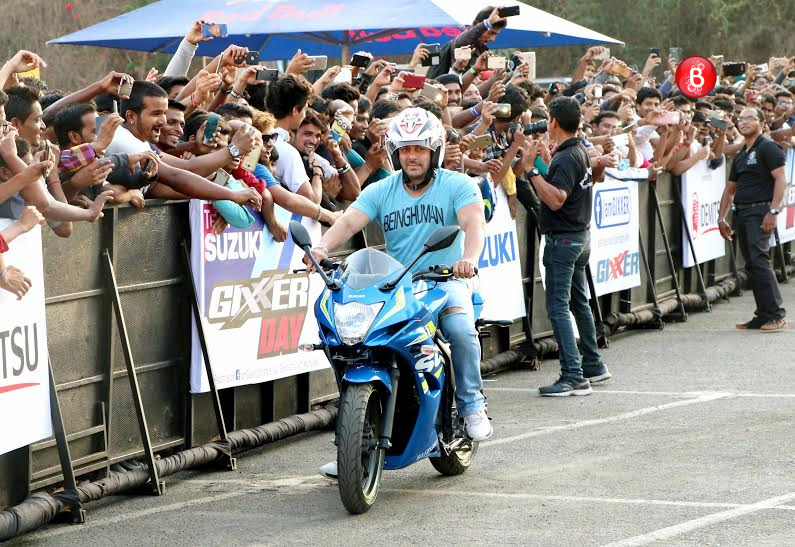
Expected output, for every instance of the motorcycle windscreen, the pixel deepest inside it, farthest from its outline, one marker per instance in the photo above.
(366, 267)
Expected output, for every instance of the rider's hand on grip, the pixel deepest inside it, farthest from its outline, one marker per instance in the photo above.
(464, 269)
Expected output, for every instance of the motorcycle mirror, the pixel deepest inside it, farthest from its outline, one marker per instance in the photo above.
(442, 238)
(300, 235)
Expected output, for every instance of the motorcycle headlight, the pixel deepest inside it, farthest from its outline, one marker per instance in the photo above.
(354, 319)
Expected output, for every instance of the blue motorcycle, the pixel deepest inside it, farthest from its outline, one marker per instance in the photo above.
(379, 329)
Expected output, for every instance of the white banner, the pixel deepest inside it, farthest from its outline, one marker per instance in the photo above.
(702, 189)
(24, 375)
(255, 311)
(786, 219)
(615, 226)
(499, 268)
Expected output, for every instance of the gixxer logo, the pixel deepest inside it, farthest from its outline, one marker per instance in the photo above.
(274, 293)
(622, 265)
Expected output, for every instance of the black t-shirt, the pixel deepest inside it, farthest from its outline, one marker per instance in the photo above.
(570, 171)
(751, 170)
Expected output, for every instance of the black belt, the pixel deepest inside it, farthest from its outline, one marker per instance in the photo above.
(741, 206)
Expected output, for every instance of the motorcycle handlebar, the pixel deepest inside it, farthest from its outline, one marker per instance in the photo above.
(438, 273)
(327, 264)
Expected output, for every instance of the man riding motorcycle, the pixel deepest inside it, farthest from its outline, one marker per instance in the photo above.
(409, 205)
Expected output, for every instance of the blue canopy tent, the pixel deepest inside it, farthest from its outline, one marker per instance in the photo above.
(277, 28)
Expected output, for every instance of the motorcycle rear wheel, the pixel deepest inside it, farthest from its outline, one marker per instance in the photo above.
(360, 461)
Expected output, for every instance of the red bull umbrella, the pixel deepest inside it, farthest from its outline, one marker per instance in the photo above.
(277, 28)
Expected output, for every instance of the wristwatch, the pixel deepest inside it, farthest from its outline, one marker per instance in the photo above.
(534, 172)
(773, 211)
(234, 151)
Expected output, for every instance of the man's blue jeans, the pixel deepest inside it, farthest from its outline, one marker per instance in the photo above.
(459, 329)
(565, 258)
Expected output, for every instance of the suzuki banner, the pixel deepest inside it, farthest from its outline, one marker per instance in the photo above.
(702, 189)
(24, 375)
(255, 311)
(615, 229)
(499, 268)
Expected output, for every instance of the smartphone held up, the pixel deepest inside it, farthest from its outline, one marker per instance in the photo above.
(214, 30)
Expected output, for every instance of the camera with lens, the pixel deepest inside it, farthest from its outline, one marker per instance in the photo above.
(530, 128)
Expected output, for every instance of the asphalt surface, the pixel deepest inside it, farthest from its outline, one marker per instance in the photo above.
(692, 442)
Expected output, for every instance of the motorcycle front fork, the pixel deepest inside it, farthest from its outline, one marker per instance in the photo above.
(388, 419)
(384, 440)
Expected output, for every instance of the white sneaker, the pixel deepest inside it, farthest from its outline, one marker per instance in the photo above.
(329, 470)
(478, 426)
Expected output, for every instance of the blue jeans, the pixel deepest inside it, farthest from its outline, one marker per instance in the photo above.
(459, 329)
(565, 258)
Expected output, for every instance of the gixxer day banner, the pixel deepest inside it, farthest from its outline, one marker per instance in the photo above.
(255, 310)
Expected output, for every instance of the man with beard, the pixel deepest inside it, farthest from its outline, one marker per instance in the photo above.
(174, 128)
(756, 185)
(76, 129)
(337, 181)
(453, 84)
(145, 118)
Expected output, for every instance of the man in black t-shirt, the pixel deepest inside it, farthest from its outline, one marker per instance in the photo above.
(756, 185)
(564, 219)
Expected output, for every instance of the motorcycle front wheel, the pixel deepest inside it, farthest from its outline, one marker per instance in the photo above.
(360, 462)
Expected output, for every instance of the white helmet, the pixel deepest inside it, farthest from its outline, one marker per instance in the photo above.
(416, 127)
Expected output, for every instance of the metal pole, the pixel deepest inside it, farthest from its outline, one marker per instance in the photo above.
(664, 234)
(219, 414)
(597, 309)
(69, 484)
(650, 279)
(155, 484)
(780, 253)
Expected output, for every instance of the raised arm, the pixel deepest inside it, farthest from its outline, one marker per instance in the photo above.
(108, 84)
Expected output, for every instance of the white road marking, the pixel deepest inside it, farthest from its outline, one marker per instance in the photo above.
(255, 486)
(250, 487)
(704, 398)
(660, 393)
(583, 499)
(708, 520)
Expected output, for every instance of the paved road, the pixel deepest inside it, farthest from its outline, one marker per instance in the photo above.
(691, 443)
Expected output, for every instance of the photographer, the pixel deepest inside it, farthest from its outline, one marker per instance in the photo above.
(565, 216)
(507, 138)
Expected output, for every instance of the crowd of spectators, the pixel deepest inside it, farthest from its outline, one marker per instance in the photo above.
(311, 138)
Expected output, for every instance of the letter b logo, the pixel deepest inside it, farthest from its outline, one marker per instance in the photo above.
(696, 77)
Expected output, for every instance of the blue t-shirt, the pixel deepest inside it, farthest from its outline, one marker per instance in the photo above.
(262, 173)
(408, 221)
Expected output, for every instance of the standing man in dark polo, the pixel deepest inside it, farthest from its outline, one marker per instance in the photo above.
(565, 217)
(756, 185)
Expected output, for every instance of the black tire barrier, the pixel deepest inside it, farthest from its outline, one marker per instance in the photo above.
(41, 507)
